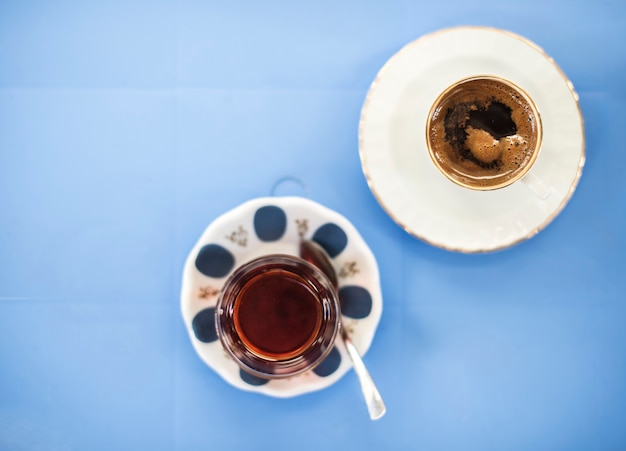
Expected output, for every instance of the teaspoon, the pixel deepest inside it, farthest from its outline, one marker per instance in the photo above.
(316, 255)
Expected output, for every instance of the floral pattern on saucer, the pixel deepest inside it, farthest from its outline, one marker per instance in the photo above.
(273, 225)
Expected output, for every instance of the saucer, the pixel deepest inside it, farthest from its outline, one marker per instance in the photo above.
(395, 158)
(272, 225)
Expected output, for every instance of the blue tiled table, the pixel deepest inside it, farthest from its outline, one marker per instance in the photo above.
(128, 126)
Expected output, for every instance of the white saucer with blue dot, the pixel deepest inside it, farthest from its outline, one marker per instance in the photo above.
(273, 225)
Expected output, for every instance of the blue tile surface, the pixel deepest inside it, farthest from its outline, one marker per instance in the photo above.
(127, 126)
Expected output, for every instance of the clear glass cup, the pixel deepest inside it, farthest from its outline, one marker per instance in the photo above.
(277, 316)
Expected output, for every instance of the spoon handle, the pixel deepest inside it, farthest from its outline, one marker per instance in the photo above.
(374, 401)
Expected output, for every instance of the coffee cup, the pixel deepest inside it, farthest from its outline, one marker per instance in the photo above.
(277, 316)
(484, 133)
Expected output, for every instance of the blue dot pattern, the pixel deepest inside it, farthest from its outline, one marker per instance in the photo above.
(214, 260)
(251, 379)
(329, 365)
(332, 238)
(355, 301)
(203, 325)
(270, 223)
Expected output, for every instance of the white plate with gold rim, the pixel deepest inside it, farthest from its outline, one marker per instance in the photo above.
(276, 225)
(395, 157)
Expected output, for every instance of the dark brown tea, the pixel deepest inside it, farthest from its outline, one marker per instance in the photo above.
(277, 315)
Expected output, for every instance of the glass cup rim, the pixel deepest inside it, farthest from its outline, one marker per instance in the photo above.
(314, 353)
(510, 84)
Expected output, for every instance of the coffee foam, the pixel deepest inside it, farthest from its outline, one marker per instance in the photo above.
(473, 152)
(483, 146)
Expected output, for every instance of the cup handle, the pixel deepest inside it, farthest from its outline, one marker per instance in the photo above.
(536, 185)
